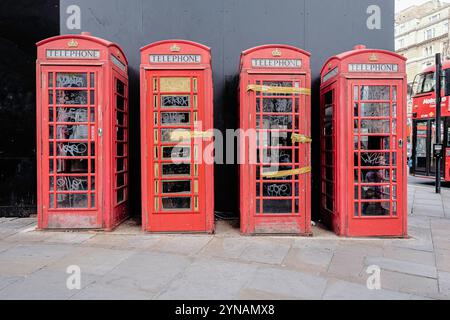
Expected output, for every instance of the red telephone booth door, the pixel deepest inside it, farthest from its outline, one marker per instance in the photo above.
(71, 142)
(378, 158)
(176, 175)
(279, 178)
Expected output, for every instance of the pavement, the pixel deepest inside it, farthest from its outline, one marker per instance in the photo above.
(130, 264)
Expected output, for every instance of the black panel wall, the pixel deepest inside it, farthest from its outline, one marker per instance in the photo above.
(323, 27)
(22, 24)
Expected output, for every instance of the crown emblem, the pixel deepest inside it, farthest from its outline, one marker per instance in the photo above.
(373, 58)
(276, 53)
(175, 48)
(72, 43)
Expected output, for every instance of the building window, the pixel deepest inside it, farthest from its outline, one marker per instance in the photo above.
(401, 43)
(445, 26)
(428, 51)
(429, 34)
(434, 17)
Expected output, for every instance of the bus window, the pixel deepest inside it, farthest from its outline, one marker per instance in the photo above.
(425, 82)
(428, 83)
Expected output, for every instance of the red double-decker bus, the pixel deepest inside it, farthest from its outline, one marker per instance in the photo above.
(424, 124)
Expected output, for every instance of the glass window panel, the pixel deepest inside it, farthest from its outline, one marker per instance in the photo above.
(72, 200)
(277, 84)
(375, 176)
(375, 143)
(120, 102)
(176, 203)
(176, 169)
(71, 80)
(375, 209)
(175, 118)
(92, 80)
(375, 109)
(120, 164)
(175, 101)
(50, 80)
(356, 110)
(120, 180)
(120, 132)
(93, 204)
(277, 189)
(68, 183)
(375, 192)
(120, 87)
(177, 134)
(277, 206)
(120, 119)
(92, 97)
(356, 192)
(375, 92)
(120, 149)
(277, 105)
(72, 132)
(51, 99)
(93, 183)
(72, 166)
(66, 97)
(275, 122)
(120, 195)
(176, 186)
(70, 149)
(71, 114)
(356, 209)
(356, 176)
(176, 152)
(92, 114)
(375, 126)
(51, 166)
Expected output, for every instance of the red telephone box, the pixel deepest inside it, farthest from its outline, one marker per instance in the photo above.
(82, 133)
(363, 141)
(275, 84)
(176, 124)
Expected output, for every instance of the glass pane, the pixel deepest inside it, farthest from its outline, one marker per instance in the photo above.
(375, 208)
(120, 87)
(71, 114)
(375, 110)
(72, 166)
(375, 192)
(174, 135)
(50, 80)
(277, 190)
(275, 122)
(277, 84)
(120, 149)
(375, 92)
(71, 80)
(277, 206)
(120, 180)
(92, 80)
(175, 118)
(175, 101)
(178, 203)
(176, 152)
(277, 105)
(375, 143)
(120, 195)
(72, 132)
(375, 159)
(67, 97)
(375, 176)
(176, 186)
(72, 200)
(375, 126)
(66, 183)
(120, 102)
(176, 169)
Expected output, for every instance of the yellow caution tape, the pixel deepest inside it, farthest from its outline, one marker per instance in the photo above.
(186, 135)
(269, 89)
(300, 138)
(286, 173)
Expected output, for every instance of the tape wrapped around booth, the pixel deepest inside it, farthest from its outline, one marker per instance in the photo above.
(287, 90)
(286, 173)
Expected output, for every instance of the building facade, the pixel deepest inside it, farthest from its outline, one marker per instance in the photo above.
(421, 32)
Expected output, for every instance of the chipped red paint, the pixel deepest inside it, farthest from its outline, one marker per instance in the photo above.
(79, 101)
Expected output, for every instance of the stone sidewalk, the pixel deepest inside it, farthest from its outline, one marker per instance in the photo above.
(128, 264)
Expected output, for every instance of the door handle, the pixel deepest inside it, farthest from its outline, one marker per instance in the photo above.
(400, 143)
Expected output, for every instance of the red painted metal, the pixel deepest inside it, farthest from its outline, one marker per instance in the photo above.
(363, 143)
(176, 94)
(424, 115)
(280, 205)
(82, 133)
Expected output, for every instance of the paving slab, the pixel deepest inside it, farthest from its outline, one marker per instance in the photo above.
(346, 266)
(444, 284)
(210, 279)
(43, 285)
(409, 255)
(408, 283)
(342, 290)
(72, 238)
(96, 261)
(411, 268)
(289, 283)
(147, 271)
(309, 260)
(102, 291)
(24, 259)
(128, 241)
(264, 250)
(443, 260)
(183, 244)
(231, 248)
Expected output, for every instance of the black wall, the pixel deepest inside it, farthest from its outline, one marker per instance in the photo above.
(22, 24)
(323, 27)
